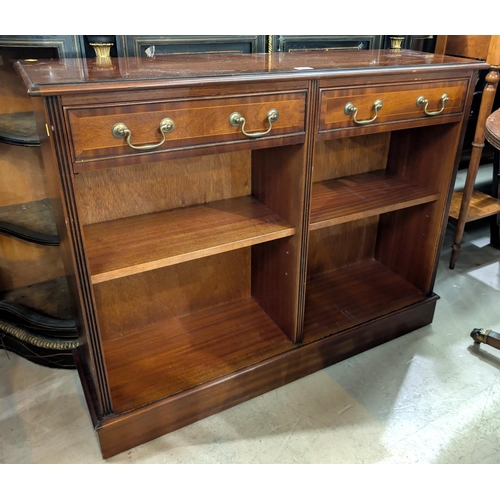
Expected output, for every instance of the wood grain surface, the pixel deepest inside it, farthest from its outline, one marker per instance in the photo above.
(205, 281)
(166, 358)
(350, 156)
(23, 174)
(197, 122)
(125, 431)
(474, 46)
(363, 195)
(51, 77)
(492, 129)
(481, 205)
(341, 245)
(145, 242)
(352, 295)
(133, 303)
(115, 193)
(399, 103)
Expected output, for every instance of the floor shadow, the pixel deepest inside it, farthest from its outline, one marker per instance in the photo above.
(479, 351)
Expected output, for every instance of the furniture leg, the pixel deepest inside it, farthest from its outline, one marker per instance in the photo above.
(483, 336)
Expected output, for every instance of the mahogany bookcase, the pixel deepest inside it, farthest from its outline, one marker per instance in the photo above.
(232, 223)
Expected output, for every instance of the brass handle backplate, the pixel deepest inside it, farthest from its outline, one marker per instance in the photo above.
(350, 109)
(235, 119)
(422, 101)
(120, 131)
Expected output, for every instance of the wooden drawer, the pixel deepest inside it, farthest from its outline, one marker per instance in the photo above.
(197, 122)
(399, 102)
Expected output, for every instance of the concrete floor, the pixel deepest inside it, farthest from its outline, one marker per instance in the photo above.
(427, 397)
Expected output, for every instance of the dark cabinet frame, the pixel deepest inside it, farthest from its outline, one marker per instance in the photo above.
(136, 45)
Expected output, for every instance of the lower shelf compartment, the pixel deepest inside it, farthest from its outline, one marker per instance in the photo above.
(481, 205)
(352, 295)
(118, 433)
(183, 352)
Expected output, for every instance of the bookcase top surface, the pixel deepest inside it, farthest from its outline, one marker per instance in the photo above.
(52, 77)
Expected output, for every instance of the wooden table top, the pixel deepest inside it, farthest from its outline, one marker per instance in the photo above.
(52, 77)
(492, 129)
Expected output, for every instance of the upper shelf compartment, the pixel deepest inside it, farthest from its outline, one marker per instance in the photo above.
(141, 243)
(133, 131)
(346, 110)
(336, 201)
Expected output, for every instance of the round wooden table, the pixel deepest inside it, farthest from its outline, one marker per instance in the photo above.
(492, 129)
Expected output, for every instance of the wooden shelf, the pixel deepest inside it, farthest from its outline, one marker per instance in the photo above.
(178, 354)
(363, 195)
(481, 205)
(141, 243)
(353, 295)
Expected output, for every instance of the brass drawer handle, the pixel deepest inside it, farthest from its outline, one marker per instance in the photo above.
(349, 109)
(120, 130)
(236, 119)
(422, 101)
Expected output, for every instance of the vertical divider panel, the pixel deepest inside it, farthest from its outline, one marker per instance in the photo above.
(313, 105)
(278, 182)
(281, 179)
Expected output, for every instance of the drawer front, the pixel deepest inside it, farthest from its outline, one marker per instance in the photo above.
(398, 102)
(197, 122)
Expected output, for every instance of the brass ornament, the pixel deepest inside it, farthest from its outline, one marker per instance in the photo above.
(396, 42)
